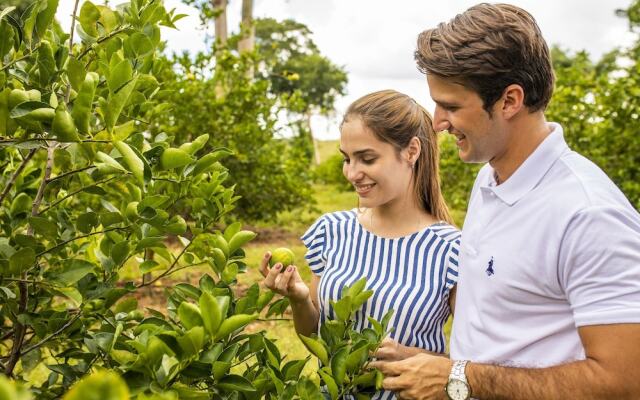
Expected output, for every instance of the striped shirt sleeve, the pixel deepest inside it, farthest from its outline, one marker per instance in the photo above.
(452, 263)
(314, 240)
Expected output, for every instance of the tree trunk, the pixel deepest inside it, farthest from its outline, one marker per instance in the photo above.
(221, 20)
(248, 32)
(316, 151)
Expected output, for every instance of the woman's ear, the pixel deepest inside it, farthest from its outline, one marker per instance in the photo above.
(413, 150)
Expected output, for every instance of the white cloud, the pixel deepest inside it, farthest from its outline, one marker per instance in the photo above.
(374, 39)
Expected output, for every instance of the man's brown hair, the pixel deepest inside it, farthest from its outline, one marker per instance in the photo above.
(487, 48)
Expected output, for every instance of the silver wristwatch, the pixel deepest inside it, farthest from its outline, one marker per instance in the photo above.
(457, 387)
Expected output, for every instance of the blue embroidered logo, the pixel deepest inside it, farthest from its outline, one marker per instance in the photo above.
(489, 269)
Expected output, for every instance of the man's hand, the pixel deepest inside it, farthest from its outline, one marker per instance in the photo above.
(422, 376)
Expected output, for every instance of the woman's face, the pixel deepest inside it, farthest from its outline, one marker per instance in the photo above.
(379, 174)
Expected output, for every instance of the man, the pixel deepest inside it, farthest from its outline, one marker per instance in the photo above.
(548, 298)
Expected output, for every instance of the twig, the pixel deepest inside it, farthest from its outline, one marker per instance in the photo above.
(75, 171)
(102, 39)
(20, 329)
(169, 270)
(73, 28)
(51, 140)
(15, 175)
(47, 338)
(24, 57)
(61, 244)
(76, 192)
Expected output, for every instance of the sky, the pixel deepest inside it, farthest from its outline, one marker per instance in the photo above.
(374, 40)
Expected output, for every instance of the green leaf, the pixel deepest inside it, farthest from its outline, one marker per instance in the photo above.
(342, 308)
(211, 313)
(87, 221)
(360, 299)
(190, 315)
(26, 108)
(220, 369)
(120, 252)
(233, 383)
(307, 390)
(21, 260)
(357, 357)
(175, 158)
(102, 385)
(72, 272)
(191, 342)
(45, 17)
(139, 44)
(70, 293)
(316, 348)
(44, 227)
(204, 163)
(89, 15)
(339, 365)
(119, 75)
(117, 102)
(330, 383)
(357, 287)
(149, 266)
(75, 72)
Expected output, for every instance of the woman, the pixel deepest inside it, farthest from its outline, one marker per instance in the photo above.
(400, 237)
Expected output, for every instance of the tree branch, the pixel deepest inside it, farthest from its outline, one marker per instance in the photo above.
(102, 39)
(62, 244)
(76, 192)
(73, 28)
(50, 336)
(15, 175)
(20, 329)
(75, 171)
(169, 270)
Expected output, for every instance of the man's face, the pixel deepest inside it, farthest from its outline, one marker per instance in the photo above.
(480, 137)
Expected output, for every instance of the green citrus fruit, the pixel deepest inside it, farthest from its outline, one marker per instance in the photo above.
(281, 255)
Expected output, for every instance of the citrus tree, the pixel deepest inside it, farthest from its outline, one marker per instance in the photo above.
(96, 206)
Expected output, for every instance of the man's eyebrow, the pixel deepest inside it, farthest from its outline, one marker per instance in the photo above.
(444, 103)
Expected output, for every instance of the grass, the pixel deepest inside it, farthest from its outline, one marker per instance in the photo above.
(327, 148)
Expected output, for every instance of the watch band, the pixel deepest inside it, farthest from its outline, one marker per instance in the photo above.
(457, 370)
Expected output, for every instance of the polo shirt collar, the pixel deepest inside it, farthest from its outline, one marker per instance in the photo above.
(527, 176)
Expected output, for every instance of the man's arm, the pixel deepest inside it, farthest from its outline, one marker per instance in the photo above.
(611, 370)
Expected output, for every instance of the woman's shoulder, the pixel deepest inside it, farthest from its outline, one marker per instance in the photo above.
(447, 232)
(339, 216)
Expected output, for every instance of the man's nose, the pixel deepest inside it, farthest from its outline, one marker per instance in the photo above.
(440, 120)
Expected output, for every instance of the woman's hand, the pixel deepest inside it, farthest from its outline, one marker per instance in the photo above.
(390, 350)
(287, 283)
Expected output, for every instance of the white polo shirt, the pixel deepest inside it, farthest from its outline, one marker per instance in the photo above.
(555, 247)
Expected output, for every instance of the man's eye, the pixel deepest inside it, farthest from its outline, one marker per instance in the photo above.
(345, 161)
(369, 160)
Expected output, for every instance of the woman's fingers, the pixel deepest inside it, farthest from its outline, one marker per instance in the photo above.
(272, 277)
(282, 284)
(264, 269)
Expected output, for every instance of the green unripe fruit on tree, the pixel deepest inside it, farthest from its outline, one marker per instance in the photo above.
(281, 255)
(16, 97)
(131, 212)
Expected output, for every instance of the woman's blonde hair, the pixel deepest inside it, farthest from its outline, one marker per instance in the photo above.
(396, 118)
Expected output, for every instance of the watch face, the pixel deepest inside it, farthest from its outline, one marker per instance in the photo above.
(458, 390)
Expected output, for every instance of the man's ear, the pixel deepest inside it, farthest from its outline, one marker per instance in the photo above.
(512, 101)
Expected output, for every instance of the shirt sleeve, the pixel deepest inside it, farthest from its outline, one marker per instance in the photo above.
(452, 263)
(600, 266)
(315, 239)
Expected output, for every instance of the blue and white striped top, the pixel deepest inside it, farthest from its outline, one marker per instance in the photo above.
(411, 274)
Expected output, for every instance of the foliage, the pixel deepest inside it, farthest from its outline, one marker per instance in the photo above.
(456, 177)
(85, 190)
(343, 352)
(598, 105)
(295, 66)
(270, 175)
(329, 172)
